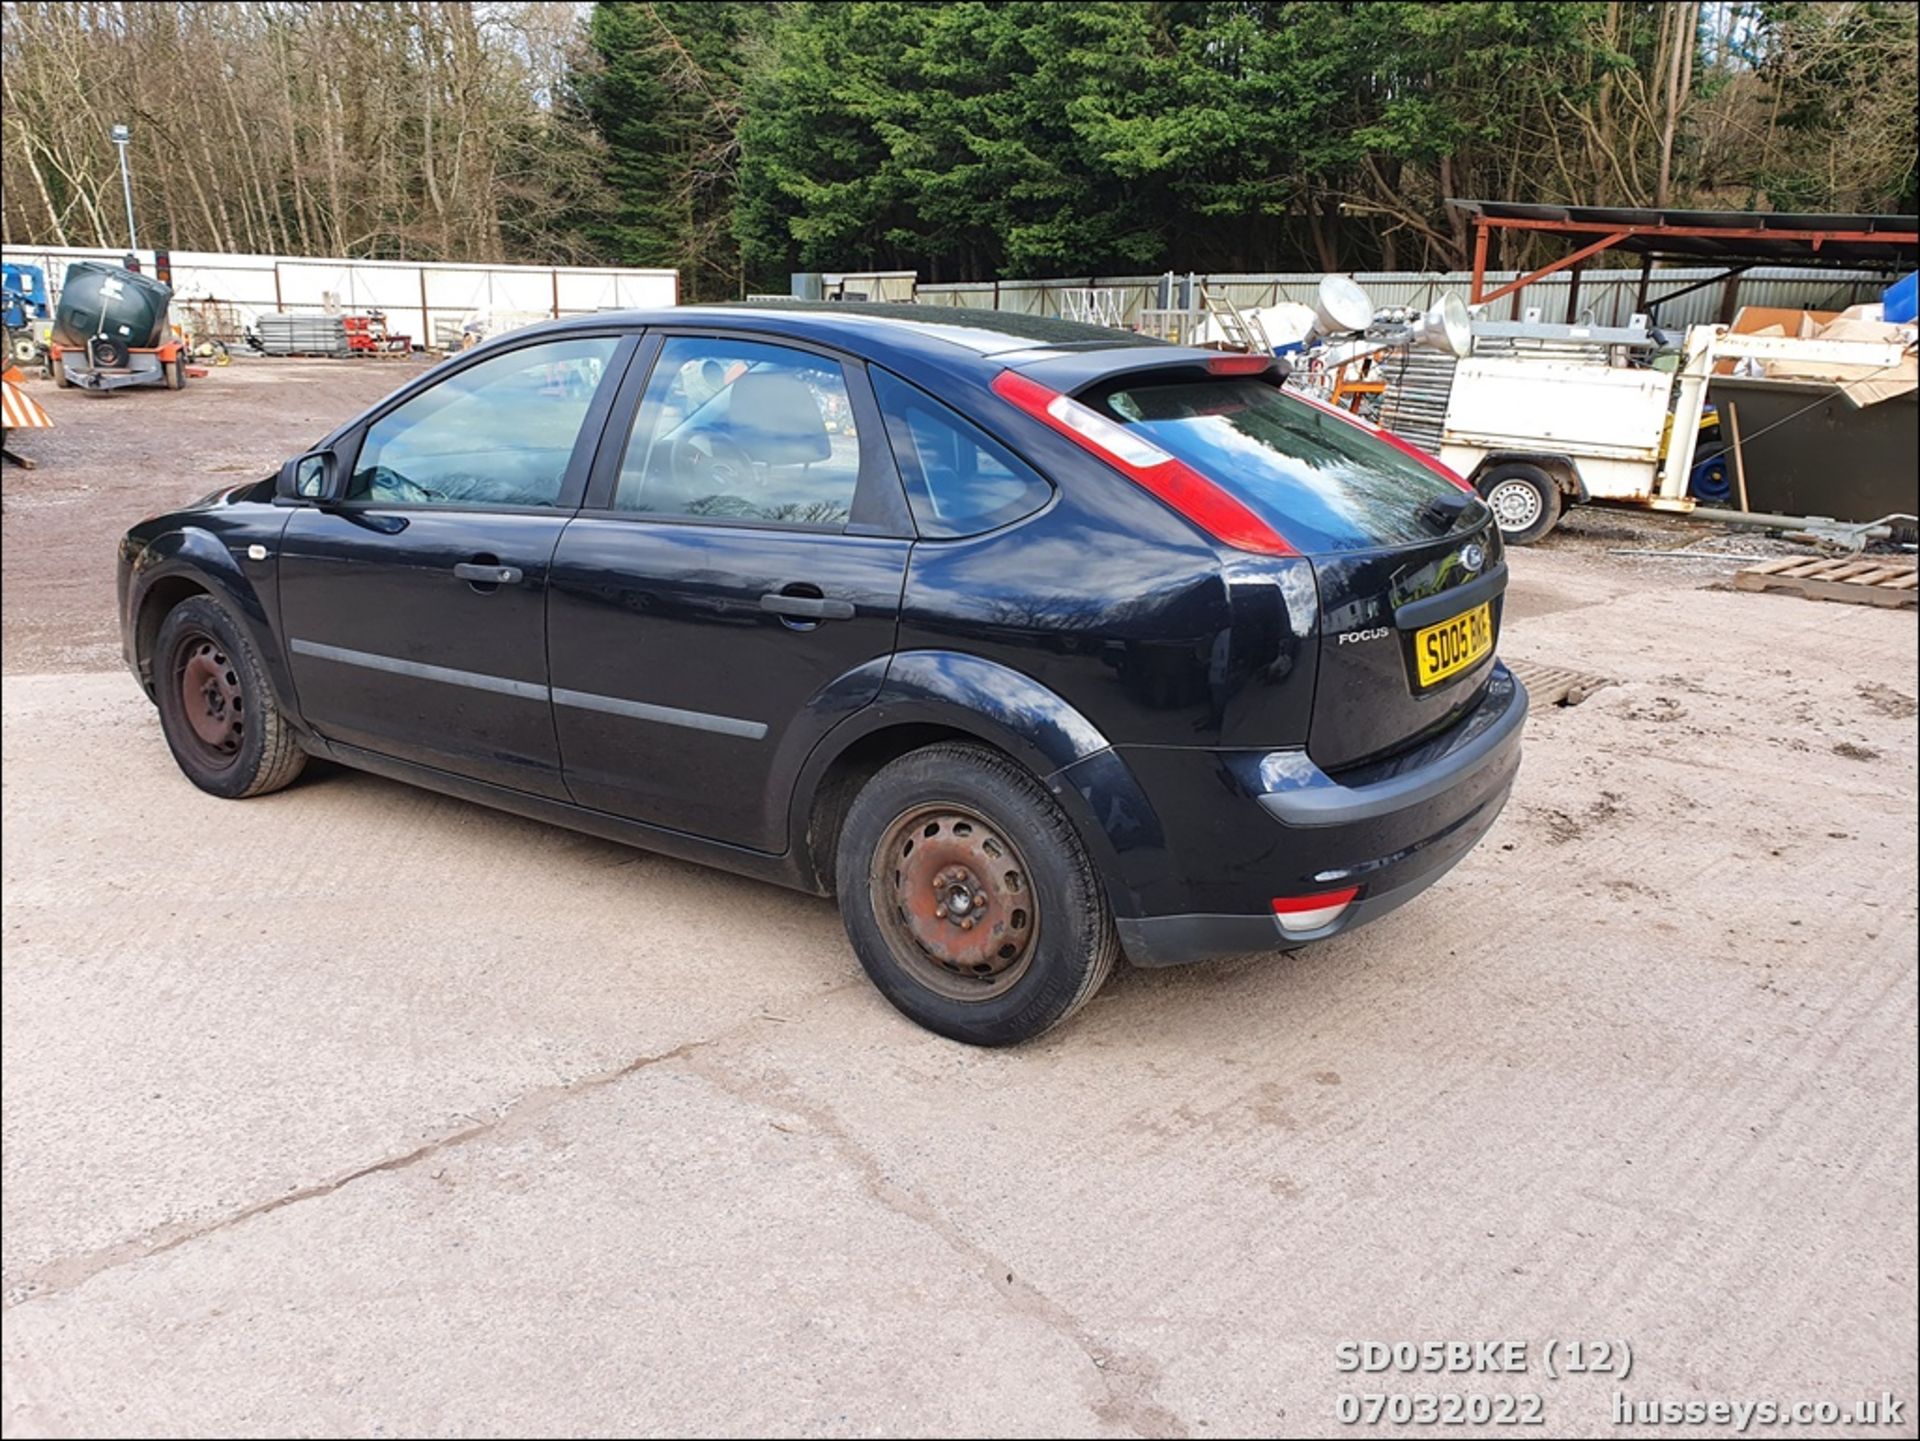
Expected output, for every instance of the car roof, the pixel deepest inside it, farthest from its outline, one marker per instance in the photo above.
(989, 339)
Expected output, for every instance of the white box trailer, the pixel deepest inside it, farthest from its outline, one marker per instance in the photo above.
(1596, 429)
(1536, 435)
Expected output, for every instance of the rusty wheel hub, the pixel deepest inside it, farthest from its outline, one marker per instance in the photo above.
(210, 696)
(953, 894)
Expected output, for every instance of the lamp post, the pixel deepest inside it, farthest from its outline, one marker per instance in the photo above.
(120, 137)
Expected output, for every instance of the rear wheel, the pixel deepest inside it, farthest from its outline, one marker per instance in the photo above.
(1524, 500)
(177, 371)
(969, 898)
(218, 714)
(58, 370)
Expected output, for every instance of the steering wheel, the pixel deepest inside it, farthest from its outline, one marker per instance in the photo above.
(387, 484)
(710, 459)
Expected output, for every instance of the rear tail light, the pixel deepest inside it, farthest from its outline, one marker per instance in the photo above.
(1298, 915)
(1431, 461)
(1179, 485)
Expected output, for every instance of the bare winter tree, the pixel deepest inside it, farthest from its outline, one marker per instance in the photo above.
(400, 128)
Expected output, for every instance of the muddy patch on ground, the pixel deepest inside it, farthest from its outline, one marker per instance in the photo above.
(1886, 701)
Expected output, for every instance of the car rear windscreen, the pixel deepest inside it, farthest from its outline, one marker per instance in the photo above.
(1321, 482)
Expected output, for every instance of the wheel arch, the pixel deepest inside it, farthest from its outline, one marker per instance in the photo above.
(158, 601)
(934, 696)
(187, 562)
(1558, 466)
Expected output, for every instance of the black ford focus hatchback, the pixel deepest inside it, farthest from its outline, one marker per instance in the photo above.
(1037, 644)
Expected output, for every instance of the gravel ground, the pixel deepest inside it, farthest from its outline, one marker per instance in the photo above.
(357, 1109)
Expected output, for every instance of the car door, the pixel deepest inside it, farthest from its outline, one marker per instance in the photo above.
(731, 587)
(415, 606)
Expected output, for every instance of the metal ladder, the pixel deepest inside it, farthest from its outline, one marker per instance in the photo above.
(1240, 330)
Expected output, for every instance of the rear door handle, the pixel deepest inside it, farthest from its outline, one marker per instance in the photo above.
(488, 574)
(806, 607)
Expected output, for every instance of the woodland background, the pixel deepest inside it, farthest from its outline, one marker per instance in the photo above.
(739, 141)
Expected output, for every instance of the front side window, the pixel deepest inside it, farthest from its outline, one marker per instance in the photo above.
(959, 481)
(740, 430)
(497, 433)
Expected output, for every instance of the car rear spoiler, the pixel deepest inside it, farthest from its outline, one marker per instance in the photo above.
(1072, 371)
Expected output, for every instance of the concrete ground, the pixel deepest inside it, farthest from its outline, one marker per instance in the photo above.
(355, 1109)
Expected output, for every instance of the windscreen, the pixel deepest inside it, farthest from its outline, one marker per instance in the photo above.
(1323, 483)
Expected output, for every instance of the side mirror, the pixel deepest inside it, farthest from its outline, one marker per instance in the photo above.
(313, 478)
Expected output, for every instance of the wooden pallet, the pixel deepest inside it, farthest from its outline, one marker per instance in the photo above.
(1861, 580)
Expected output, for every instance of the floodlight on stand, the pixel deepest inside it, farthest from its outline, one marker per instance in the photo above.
(1341, 307)
(1446, 327)
(120, 136)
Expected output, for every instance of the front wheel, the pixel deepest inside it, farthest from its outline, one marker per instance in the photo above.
(216, 709)
(176, 372)
(1524, 500)
(969, 898)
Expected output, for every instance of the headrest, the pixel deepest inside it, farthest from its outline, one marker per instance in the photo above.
(776, 420)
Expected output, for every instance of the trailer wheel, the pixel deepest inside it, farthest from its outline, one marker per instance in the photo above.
(1524, 500)
(176, 370)
(58, 370)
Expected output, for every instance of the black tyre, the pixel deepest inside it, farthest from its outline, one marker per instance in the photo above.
(969, 898)
(1524, 500)
(216, 708)
(58, 371)
(177, 372)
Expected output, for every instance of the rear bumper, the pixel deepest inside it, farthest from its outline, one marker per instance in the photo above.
(1391, 829)
(1159, 941)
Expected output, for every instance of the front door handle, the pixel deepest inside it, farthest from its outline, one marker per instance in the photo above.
(488, 574)
(806, 607)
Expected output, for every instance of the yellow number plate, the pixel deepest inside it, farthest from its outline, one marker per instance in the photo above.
(1451, 646)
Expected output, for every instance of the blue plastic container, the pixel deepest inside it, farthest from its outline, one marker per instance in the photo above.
(26, 295)
(1900, 300)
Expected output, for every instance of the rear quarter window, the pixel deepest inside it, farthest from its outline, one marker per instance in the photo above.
(1321, 482)
(959, 480)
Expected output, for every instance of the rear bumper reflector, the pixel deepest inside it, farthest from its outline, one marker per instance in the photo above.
(1297, 915)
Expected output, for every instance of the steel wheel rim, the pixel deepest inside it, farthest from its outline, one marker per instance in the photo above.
(955, 901)
(207, 684)
(1515, 504)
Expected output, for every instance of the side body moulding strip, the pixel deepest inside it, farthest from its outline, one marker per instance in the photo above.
(393, 665)
(533, 690)
(665, 714)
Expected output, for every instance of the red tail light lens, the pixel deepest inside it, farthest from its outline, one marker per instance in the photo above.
(1180, 486)
(1430, 461)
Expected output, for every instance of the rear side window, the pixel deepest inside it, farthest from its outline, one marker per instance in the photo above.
(742, 430)
(959, 481)
(1321, 482)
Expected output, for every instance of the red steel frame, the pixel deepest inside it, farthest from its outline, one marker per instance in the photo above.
(1611, 234)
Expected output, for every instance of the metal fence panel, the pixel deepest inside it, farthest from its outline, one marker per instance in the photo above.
(1608, 294)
